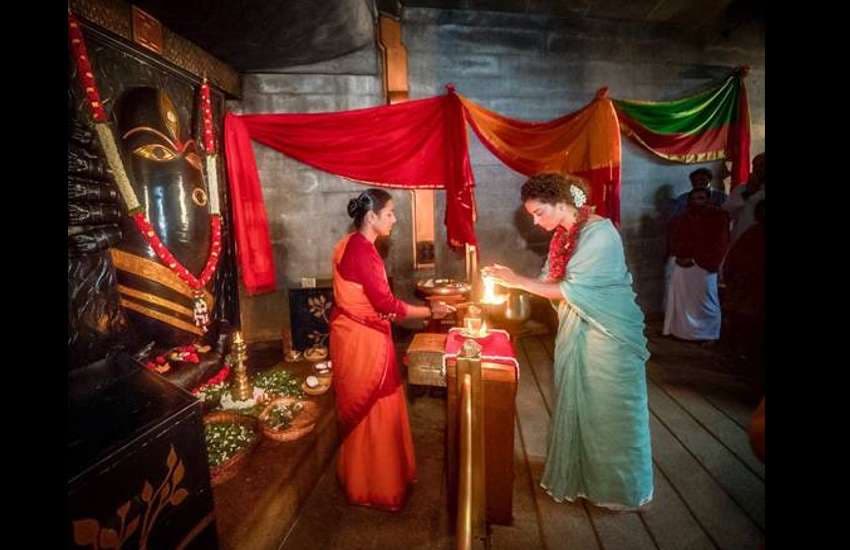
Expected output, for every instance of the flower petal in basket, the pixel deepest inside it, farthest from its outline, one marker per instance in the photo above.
(228, 469)
(302, 424)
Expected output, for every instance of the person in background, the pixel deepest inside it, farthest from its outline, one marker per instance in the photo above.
(698, 241)
(700, 179)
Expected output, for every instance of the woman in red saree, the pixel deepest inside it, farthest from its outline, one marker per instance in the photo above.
(376, 463)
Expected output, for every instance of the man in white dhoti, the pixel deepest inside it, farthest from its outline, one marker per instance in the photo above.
(698, 241)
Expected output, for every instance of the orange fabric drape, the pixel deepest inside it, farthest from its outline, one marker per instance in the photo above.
(376, 461)
(585, 143)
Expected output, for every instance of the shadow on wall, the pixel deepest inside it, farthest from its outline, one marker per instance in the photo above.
(648, 266)
(664, 202)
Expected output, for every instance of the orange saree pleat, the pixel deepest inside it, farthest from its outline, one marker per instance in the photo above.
(376, 460)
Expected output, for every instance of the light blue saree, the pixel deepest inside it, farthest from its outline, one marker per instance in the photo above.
(599, 443)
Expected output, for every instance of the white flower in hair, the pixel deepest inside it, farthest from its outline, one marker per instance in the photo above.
(579, 197)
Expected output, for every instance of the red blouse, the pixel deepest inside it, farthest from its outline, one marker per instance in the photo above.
(362, 264)
(702, 235)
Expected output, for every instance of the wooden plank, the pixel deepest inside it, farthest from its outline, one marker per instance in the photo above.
(737, 410)
(620, 530)
(565, 525)
(531, 409)
(541, 363)
(525, 531)
(671, 523)
(725, 393)
(724, 521)
(743, 486)
(730, 434)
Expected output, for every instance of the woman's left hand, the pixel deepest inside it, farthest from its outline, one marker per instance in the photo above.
(502, 275)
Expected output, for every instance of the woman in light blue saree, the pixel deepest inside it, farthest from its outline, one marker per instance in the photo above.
(599, 443)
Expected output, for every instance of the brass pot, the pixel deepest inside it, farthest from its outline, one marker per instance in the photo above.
(492, 313)
(518, 307)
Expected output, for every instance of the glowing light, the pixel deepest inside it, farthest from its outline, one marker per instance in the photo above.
(490, 296)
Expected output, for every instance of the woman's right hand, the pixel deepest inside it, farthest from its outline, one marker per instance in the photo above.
(501, 275)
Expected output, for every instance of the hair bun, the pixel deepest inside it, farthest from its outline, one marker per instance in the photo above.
(361, 204)
(353, 207)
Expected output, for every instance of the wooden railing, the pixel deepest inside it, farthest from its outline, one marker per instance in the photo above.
(471, 512)
(464, 494)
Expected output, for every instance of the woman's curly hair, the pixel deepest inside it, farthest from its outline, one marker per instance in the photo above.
(552, 188)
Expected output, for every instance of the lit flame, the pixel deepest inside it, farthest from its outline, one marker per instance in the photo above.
(490, 296)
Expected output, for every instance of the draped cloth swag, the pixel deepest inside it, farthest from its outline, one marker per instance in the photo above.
(711, 125)
(418, 144)
(422, 144)
(585, 143)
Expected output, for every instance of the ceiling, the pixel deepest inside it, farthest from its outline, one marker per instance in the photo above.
(269, 35)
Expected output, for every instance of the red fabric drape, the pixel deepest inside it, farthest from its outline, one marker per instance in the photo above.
(250, 224)
(418, 144)
(741, 150)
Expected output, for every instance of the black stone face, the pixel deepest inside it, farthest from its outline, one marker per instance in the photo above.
(138, 92)
(165, 170)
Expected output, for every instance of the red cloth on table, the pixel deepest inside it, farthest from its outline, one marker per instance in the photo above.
(496, 347)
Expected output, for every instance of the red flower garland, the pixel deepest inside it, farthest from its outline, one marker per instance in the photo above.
(84, 70)
(563, 245)
(206, 109)
(196, 283)
(220, 376)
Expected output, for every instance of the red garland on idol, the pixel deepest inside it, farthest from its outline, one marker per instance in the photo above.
(98, 115)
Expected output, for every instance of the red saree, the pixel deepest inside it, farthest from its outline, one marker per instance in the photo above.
(376, 461)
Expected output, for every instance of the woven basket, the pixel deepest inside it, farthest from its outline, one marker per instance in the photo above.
(321, 389)
(300, 426)
(228, 469)
(315, 354)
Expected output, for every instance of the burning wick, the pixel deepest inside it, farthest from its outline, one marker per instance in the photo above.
(490, 296)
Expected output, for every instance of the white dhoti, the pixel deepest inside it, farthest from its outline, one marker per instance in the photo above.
(692, 306)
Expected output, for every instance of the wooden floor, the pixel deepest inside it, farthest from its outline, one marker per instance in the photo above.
(709, 487)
